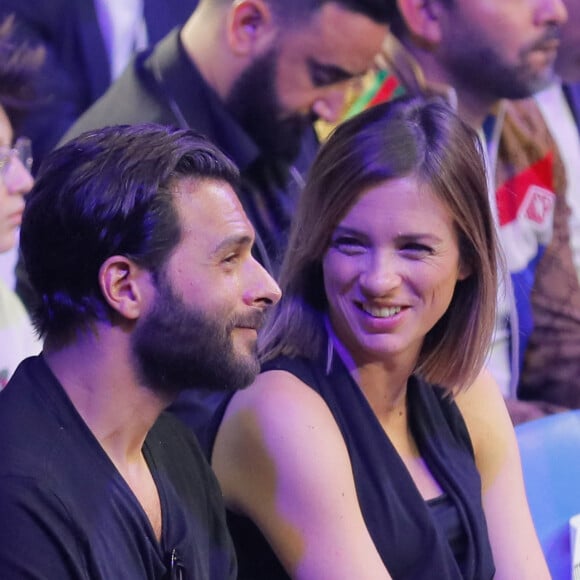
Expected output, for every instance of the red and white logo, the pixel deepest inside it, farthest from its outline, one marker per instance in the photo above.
(538, 206)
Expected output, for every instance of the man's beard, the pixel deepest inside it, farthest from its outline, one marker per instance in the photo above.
(176, 347)
(254, 104)
(477, 66)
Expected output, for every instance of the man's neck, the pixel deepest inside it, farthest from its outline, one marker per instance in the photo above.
(472, 106)
(473, 111)
(97, 375)
(203, 38)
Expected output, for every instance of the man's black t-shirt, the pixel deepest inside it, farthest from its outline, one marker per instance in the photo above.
(66, 512)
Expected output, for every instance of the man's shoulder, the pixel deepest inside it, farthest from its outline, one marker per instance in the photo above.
(22, 402)
(129, 100)
(40, 434)
(160, 85)
(31, 447)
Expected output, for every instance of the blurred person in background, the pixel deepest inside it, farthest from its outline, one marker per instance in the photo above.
(552, 360)
(18, 70)
(252, 76)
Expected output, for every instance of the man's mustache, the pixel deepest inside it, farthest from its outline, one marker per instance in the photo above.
(551, 36)
(254, 319)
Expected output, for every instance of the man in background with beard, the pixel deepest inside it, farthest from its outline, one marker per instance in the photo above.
(552, 363)
(140, 252)
(252, 76)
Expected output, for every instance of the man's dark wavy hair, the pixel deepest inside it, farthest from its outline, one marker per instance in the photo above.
(108, 192)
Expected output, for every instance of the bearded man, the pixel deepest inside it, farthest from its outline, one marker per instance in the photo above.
(141, 254)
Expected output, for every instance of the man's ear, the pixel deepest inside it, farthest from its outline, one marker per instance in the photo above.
(422, 19)
(120, 280)
(250, 27)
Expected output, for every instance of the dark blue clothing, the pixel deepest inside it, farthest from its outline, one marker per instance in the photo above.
(411, 543)
(572, 93)
(77, 71)
(66, 512)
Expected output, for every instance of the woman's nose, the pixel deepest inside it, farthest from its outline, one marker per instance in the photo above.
(381, 276)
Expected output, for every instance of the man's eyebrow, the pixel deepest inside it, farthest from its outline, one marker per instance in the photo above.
(233, 241)
(334, 72)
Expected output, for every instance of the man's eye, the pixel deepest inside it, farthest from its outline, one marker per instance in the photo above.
(323, 76)
(231, 258)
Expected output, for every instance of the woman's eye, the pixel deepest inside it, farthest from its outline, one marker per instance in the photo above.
(348, 245)
(417, 248)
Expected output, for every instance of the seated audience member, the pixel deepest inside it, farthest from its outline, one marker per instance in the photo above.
(552, 362)
(372, 445)
(88, 44)
(140, 251)
(18, 65)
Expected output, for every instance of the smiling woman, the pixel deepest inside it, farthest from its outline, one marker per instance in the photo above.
(389, 278)
(360, 452)
(412, 173)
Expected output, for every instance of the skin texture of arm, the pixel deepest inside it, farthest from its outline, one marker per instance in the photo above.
(516, 549)
(281, 460)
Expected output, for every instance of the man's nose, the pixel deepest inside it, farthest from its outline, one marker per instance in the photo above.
(551, 12)
(262, 288)
(330, 106)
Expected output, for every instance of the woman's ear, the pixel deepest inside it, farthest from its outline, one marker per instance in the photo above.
(422, 19)
(120, 280)
(465, 270)
(250, 27)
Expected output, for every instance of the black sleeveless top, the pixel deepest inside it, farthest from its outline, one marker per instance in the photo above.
(402, 525)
